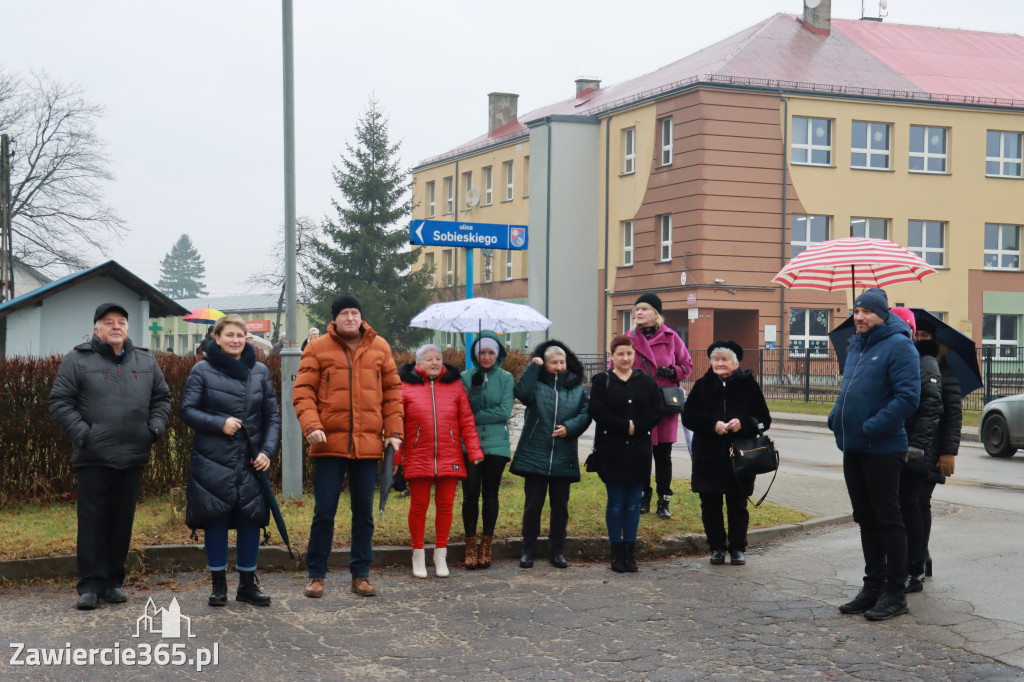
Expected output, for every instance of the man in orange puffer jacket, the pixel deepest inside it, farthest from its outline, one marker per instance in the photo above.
(348, 399)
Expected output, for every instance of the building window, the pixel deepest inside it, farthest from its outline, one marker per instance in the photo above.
(808, 328)
(1003, 154)
(488, 269)
(1001, 333)
(448, 261)
(666, 237)
(627, 242)
(450, 339)
(449, 197)
(509, 181)
(666, 141)
(488, 186)
(869, 145)
(812, 141)
(508, 264)
(467, 183)
(627, 320)
(428, 265)
(628, 150)
(1002, 247)
(927, 238)
(805, 231)
(928, 149)
(871, 228)
(429, 191)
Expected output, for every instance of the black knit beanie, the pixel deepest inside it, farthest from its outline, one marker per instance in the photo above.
(651, 300)
(343, 301)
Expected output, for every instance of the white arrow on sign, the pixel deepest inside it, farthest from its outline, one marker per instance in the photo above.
(419, 232)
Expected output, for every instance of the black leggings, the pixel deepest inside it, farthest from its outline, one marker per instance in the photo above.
(662, 465)
(487, 475)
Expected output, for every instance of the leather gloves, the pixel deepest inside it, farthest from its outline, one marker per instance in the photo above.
(478, 379)
(914, 453)
(667, 372)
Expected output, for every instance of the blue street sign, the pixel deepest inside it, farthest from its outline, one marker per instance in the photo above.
(468, 235)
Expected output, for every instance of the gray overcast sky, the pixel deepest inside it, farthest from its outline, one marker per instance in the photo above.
(193, 94)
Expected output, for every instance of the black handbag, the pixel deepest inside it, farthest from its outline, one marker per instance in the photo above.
(753, 456)
(672, 397)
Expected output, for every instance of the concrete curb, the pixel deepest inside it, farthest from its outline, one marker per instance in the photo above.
(163, 558)
(968, 434)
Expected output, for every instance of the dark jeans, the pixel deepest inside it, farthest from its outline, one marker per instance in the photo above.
(873, 481)
(911, 485)
(486, 475)
(106, 513)
(328, 476)
(714, 523)
(247, 543)
(622, 514)
(662, 465)
(924, 501)
(536, 488)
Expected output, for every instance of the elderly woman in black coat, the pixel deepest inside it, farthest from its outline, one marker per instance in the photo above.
(227, 392)
(624, 403)
(726, 403)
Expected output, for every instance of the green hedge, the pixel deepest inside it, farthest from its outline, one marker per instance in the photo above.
(35, 455)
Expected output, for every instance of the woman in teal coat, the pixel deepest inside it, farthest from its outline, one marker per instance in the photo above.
(490, 396)
(556, 402)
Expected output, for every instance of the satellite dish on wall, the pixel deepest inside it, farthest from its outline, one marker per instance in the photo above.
(472, 198)
(812, 4)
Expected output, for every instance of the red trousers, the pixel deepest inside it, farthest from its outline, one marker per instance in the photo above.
(444, 499)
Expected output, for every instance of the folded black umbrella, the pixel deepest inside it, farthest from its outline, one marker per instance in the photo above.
(387, 475)
(962, 355)
(268, 495)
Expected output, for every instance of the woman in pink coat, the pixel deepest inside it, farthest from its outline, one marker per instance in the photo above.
(438, 421)
(662, 354)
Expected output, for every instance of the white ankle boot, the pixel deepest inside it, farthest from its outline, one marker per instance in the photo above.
(419, 563)
(441, 561)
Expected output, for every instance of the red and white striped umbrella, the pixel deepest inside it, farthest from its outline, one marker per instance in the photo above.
(853, 262)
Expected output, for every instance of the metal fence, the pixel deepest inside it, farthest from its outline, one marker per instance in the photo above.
(812, 375)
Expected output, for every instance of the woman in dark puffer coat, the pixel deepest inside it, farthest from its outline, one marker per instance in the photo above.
(921, 427)
(726, 403)
(229, 391)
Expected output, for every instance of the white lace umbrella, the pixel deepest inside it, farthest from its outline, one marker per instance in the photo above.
(474, 314)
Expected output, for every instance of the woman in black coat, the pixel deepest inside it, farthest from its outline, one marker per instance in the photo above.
(229, 391)
(624, 403)
(726, 403)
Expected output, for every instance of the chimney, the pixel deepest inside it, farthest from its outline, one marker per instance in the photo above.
(584, 84)
(818, 16)
(502, 109)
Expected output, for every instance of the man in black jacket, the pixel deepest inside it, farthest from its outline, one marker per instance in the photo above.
(111, 399)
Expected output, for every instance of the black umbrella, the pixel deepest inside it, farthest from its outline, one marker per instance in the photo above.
(962, 355)
(387, 475)
(268, 495)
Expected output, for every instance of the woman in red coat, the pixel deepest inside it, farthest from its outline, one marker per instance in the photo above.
(438, 420)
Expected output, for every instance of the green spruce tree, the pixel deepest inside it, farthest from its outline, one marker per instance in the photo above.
(182, 271)
(365, 251)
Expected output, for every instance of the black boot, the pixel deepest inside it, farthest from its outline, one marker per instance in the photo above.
(629, 549)
(663, 511)
(865, 599)
(645, 501)
(889, 605)
(249, 589)
(618, 557)
(219, 595)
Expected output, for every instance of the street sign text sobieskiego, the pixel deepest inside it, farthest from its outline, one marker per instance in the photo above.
(468, 235)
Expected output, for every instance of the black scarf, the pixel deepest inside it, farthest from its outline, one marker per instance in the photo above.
(236, 369)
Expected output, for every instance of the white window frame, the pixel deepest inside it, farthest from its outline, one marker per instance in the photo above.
(488, 185)
(488, 268)
(629, 151)
(627, 320)
(429, 191)
(922, 249)
(798, 246)
(1002, 257)
(449, 195)
(665, 235)
(926, 156)
(448, 261)
(808, 148)
(666, 141)
(817, 342)
(467, 184)
(508, 264)
(627, 243)
(871, 153)
(1002, 162)
(1006, 348)
(870, 227)
(509, 180)
(428, 264)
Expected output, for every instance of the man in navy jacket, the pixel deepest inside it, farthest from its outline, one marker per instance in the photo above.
(881, 387)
